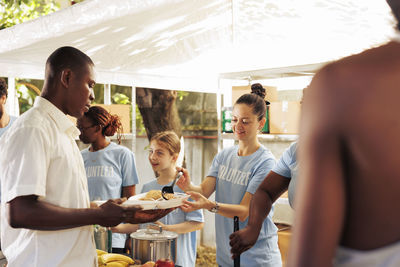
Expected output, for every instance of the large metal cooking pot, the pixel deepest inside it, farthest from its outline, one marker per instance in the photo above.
(151, 245)
(102, 238)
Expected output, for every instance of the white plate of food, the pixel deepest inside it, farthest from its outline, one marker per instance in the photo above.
(146, 205)
(154, 200)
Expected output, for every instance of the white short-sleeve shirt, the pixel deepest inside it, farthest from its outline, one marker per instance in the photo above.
(39, 156)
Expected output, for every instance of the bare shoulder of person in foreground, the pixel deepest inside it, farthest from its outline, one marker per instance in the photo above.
(350, 175)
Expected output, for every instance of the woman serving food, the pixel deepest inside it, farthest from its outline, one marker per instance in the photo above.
(234, 176)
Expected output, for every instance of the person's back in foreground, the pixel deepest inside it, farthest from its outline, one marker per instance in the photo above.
(350, 165)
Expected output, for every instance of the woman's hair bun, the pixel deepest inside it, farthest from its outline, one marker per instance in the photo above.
(114, 125)
(258, 89)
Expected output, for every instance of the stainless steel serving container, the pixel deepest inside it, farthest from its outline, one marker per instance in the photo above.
(102, 238)
(151, 244)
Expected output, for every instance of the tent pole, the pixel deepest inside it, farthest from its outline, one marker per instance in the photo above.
(133, 103)
(107, 94)
(12, 99)
(219, 112)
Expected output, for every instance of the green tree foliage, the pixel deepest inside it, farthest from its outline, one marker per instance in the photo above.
(27, 91)
(16, 11)
(26, 98)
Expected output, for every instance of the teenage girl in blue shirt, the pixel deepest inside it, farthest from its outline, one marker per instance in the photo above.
(163, 153)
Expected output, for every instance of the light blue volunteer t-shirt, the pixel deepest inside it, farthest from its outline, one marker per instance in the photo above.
(107, 171)
(235, 176)
(287, 167)
(186, 243)
(3, 130)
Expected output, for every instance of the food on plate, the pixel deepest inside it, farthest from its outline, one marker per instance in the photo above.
(156, 194)
(152, 195)
(152, 201)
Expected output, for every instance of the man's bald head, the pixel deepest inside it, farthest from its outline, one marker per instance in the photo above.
(65, 57)
(69, 81)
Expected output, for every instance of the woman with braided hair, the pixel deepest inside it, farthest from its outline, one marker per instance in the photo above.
(110, 167)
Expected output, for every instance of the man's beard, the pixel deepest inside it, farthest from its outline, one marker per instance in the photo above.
(1, 112)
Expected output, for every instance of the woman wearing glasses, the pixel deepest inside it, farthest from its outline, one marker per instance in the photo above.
(110, 167)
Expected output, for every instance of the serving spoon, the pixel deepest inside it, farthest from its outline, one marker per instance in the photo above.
(169, 189)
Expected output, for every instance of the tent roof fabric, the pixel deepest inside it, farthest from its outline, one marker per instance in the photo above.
(189, 44)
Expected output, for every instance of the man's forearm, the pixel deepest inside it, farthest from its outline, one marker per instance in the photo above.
(41, 215)
(260, 206)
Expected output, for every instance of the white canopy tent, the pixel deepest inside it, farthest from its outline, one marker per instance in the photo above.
(189, 44)
(196, 45)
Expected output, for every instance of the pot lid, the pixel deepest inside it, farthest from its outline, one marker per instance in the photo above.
(151, 234)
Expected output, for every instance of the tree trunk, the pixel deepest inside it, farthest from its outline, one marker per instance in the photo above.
(158, 110)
